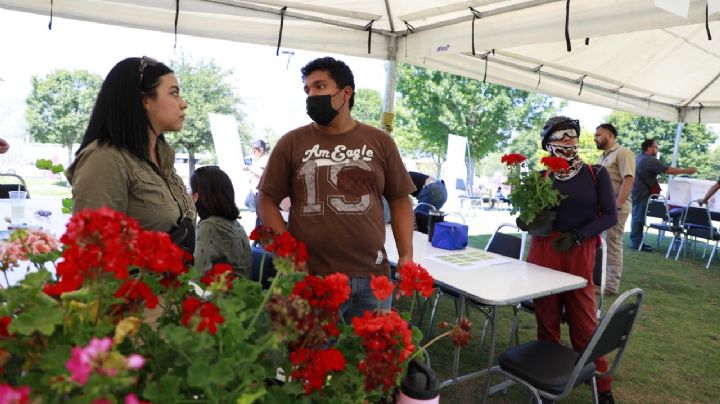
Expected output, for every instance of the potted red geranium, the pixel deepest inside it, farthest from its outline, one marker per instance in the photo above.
(532, 193)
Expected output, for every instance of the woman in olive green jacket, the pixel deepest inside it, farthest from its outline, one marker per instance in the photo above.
(124, 161)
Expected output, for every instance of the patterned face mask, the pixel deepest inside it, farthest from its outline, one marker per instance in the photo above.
(569, 153)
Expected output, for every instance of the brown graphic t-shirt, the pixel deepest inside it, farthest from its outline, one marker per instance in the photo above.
(336, 184)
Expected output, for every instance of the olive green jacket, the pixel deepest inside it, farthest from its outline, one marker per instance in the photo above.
(104, 175)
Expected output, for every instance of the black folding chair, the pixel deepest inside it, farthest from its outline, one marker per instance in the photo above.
(551, 370)
(697, 223)
(5, 189)
(657, 208)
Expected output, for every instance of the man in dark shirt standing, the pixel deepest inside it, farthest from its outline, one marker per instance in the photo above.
(647, 168)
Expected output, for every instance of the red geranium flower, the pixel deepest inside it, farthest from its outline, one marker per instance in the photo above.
(327, 294)
(262, 234)
(220, 273)
(286, 246)
(4, 325)
(313, 366)
(382, 287)
(414, 277)
(135, 291)
(513, 159)
(387, 340)
(555, 164)
(209, 314)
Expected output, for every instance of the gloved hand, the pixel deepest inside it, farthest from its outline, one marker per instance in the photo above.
(521, 224)
(565, 241)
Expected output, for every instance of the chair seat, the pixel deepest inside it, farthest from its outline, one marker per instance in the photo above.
(528, 305)
(545, 365)
(703, 233)
(665, 227)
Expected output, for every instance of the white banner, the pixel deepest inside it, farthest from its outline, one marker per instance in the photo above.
(454, 169)
(229, 153)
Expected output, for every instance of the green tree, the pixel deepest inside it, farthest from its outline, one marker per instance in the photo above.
(695, 142)
(59, 106)
(205, 87)
(368, 107)
(486, 114)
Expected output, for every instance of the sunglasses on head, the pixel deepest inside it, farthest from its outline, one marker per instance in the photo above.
(145, 61)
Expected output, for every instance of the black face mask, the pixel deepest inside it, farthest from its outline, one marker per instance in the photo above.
(319, 108)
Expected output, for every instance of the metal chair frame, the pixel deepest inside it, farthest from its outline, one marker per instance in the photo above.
(22, 186)
(612, 334)
(697, 223)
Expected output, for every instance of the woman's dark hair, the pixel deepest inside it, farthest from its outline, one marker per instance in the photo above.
(118, 118)
(260, 145)
(337, 69)
(216, 195)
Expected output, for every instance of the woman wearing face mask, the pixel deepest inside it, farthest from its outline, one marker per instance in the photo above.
(588, 210)
(124, 161)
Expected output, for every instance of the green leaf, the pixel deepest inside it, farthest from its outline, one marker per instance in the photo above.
(58, 168)
(199, 375)
(67, 202)
(222, 372)
(248, 398)
(164, 390)
(41, 319)
(43, 164)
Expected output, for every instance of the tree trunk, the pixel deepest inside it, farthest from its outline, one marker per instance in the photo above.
(470, 165)
(191, 163)
(69, 155)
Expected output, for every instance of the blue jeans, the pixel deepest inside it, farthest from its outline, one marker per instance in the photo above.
(435, 194)
(637, 224)
(361, 299)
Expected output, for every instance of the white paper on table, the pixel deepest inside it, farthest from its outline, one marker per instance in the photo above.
(471, 259)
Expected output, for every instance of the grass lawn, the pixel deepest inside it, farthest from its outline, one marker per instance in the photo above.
(674, 351)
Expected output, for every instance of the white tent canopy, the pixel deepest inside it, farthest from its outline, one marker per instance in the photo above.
(640, 58)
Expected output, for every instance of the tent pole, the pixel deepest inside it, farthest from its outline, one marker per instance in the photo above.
(391, 69)
(678, 133)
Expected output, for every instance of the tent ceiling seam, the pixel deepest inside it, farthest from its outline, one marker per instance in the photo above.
(578, 72)
(608, 90)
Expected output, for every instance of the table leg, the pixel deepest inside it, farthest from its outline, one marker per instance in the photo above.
(491, 353)
(456, 353)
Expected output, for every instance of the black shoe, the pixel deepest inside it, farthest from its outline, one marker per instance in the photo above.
(646, 248)
(606, 397)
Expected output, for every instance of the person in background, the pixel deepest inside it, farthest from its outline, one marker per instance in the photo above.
(4, 146)
(260, 159)
(587, 210)
(647, 169)
(620, 163)
(220, 237)
(709, 194)
(430, 193)
(124, 161)
(336, 172)
(428, 190)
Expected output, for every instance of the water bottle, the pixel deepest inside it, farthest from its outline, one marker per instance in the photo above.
(419, 386)
(434, 216)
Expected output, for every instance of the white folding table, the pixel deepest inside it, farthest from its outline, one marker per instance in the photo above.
(502, 284)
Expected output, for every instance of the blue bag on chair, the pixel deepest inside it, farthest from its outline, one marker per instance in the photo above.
(450, 236)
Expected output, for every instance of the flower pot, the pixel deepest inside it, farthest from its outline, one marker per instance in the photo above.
(542, 224)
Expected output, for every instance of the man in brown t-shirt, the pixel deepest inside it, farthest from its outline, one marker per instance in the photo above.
(336, 171)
